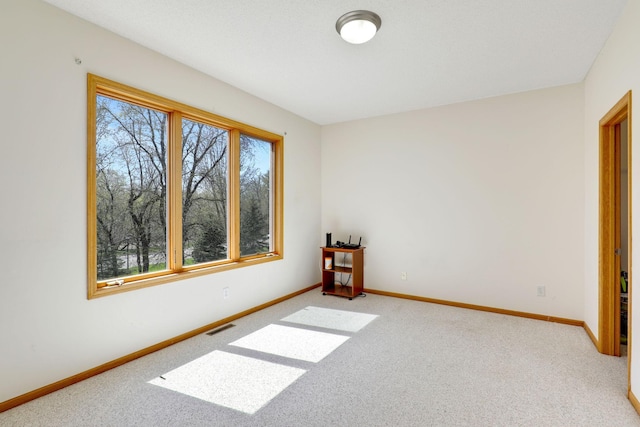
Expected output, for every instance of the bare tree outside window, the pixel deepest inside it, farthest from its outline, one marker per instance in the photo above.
(255, 195)
(131, 188)
(204, 192)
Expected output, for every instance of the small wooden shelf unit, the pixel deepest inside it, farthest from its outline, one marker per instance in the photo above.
(346, 263)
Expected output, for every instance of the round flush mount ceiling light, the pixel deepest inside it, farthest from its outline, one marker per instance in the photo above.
(358, 26)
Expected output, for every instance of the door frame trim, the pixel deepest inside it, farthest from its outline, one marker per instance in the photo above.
(609, 191)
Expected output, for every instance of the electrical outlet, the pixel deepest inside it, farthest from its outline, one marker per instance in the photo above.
(225, 292)
(541, 291)
(403, 275)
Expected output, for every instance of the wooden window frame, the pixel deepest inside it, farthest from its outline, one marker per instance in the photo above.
(176, 111)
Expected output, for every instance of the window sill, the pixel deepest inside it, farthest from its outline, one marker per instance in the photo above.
(95, 292)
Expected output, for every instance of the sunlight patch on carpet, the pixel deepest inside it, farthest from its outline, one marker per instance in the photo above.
(237, 382)
(349, 321)
(294, 343)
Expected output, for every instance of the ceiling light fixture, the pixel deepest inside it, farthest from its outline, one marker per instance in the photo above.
(358, 26)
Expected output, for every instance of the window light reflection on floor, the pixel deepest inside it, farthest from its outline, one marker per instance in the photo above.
(341, 320)
(247, 384)
(237, 382)
(295, 343)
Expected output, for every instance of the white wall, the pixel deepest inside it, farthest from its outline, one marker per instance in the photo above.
(49, 330)
(615, 72)
(479, 202)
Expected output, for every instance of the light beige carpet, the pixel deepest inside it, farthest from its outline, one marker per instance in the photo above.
(409, 364)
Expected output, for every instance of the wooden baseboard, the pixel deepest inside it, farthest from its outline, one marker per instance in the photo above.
(480, 308)
(42, 391)
(591, 335)
(634, 401)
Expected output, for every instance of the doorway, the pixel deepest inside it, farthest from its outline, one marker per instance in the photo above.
(615, 226)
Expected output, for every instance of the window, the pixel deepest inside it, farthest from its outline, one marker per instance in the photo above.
(174, 191)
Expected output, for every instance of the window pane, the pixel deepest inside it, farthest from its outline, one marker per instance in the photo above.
(131, 188)
(255, 196)
(204, 192)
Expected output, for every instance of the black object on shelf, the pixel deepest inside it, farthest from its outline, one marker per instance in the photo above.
(348, 245)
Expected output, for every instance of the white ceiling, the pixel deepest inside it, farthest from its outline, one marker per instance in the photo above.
(427, 52)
